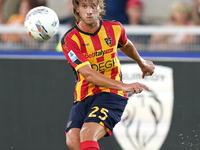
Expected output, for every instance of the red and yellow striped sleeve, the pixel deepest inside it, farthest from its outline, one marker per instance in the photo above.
(71, 50)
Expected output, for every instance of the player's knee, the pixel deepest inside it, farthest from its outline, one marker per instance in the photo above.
(92, 131)
(86, 134)
(73, 139)
(72, 144)
(68, 142)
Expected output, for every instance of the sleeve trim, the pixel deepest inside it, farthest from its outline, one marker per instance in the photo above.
(125, 44)
(81, 65)
(120, 45)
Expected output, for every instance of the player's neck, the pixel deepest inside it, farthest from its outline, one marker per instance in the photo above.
(88, 27)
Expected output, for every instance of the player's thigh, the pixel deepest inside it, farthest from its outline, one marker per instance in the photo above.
(106, 110)
(77, 115)
(92, 131)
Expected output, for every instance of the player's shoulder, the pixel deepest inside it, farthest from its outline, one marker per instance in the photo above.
(111, 22)
(70, 32)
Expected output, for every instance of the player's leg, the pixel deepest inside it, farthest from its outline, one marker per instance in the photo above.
(90, 133)
(104, 113)
(74, 124)
(73, 139)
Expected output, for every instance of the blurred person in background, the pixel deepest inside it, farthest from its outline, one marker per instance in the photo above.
(69, 19)
(9, 7)
(115, 10)
(196, 11)
(18, 19)
(42, 2)
(134, 11)
(2, 19)
(180, 16)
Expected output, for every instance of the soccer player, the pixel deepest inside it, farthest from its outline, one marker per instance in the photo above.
(100, 96)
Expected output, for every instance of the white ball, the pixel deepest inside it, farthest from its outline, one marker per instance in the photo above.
(41, 23)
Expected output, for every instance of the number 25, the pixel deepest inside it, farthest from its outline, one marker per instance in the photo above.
(103, 111)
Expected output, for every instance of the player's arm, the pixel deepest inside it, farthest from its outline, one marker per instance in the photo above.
(146, 66)
(99, 79)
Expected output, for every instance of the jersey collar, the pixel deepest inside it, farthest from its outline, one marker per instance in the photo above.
(88, 33)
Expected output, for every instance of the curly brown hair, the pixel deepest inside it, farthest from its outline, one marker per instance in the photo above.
(75, 4)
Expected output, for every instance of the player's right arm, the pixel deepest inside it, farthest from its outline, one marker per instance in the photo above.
(99, 79)
(80, 63)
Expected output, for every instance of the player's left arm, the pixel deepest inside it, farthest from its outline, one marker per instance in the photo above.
(146, 66)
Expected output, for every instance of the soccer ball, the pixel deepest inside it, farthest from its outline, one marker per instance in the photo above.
(41, 23)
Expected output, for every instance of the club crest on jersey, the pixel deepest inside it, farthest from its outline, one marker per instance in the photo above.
(72, 56)
(108, 41)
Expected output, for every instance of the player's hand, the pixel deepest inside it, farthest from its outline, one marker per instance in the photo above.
(147, 68)
(134, 88)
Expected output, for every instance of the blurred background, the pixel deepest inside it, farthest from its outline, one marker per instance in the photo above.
(37, 83)
(152, 25)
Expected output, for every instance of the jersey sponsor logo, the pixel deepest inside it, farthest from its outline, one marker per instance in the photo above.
(72, 56)
(147, 117)
(108, 41)
(104, 65)
(98, 53)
